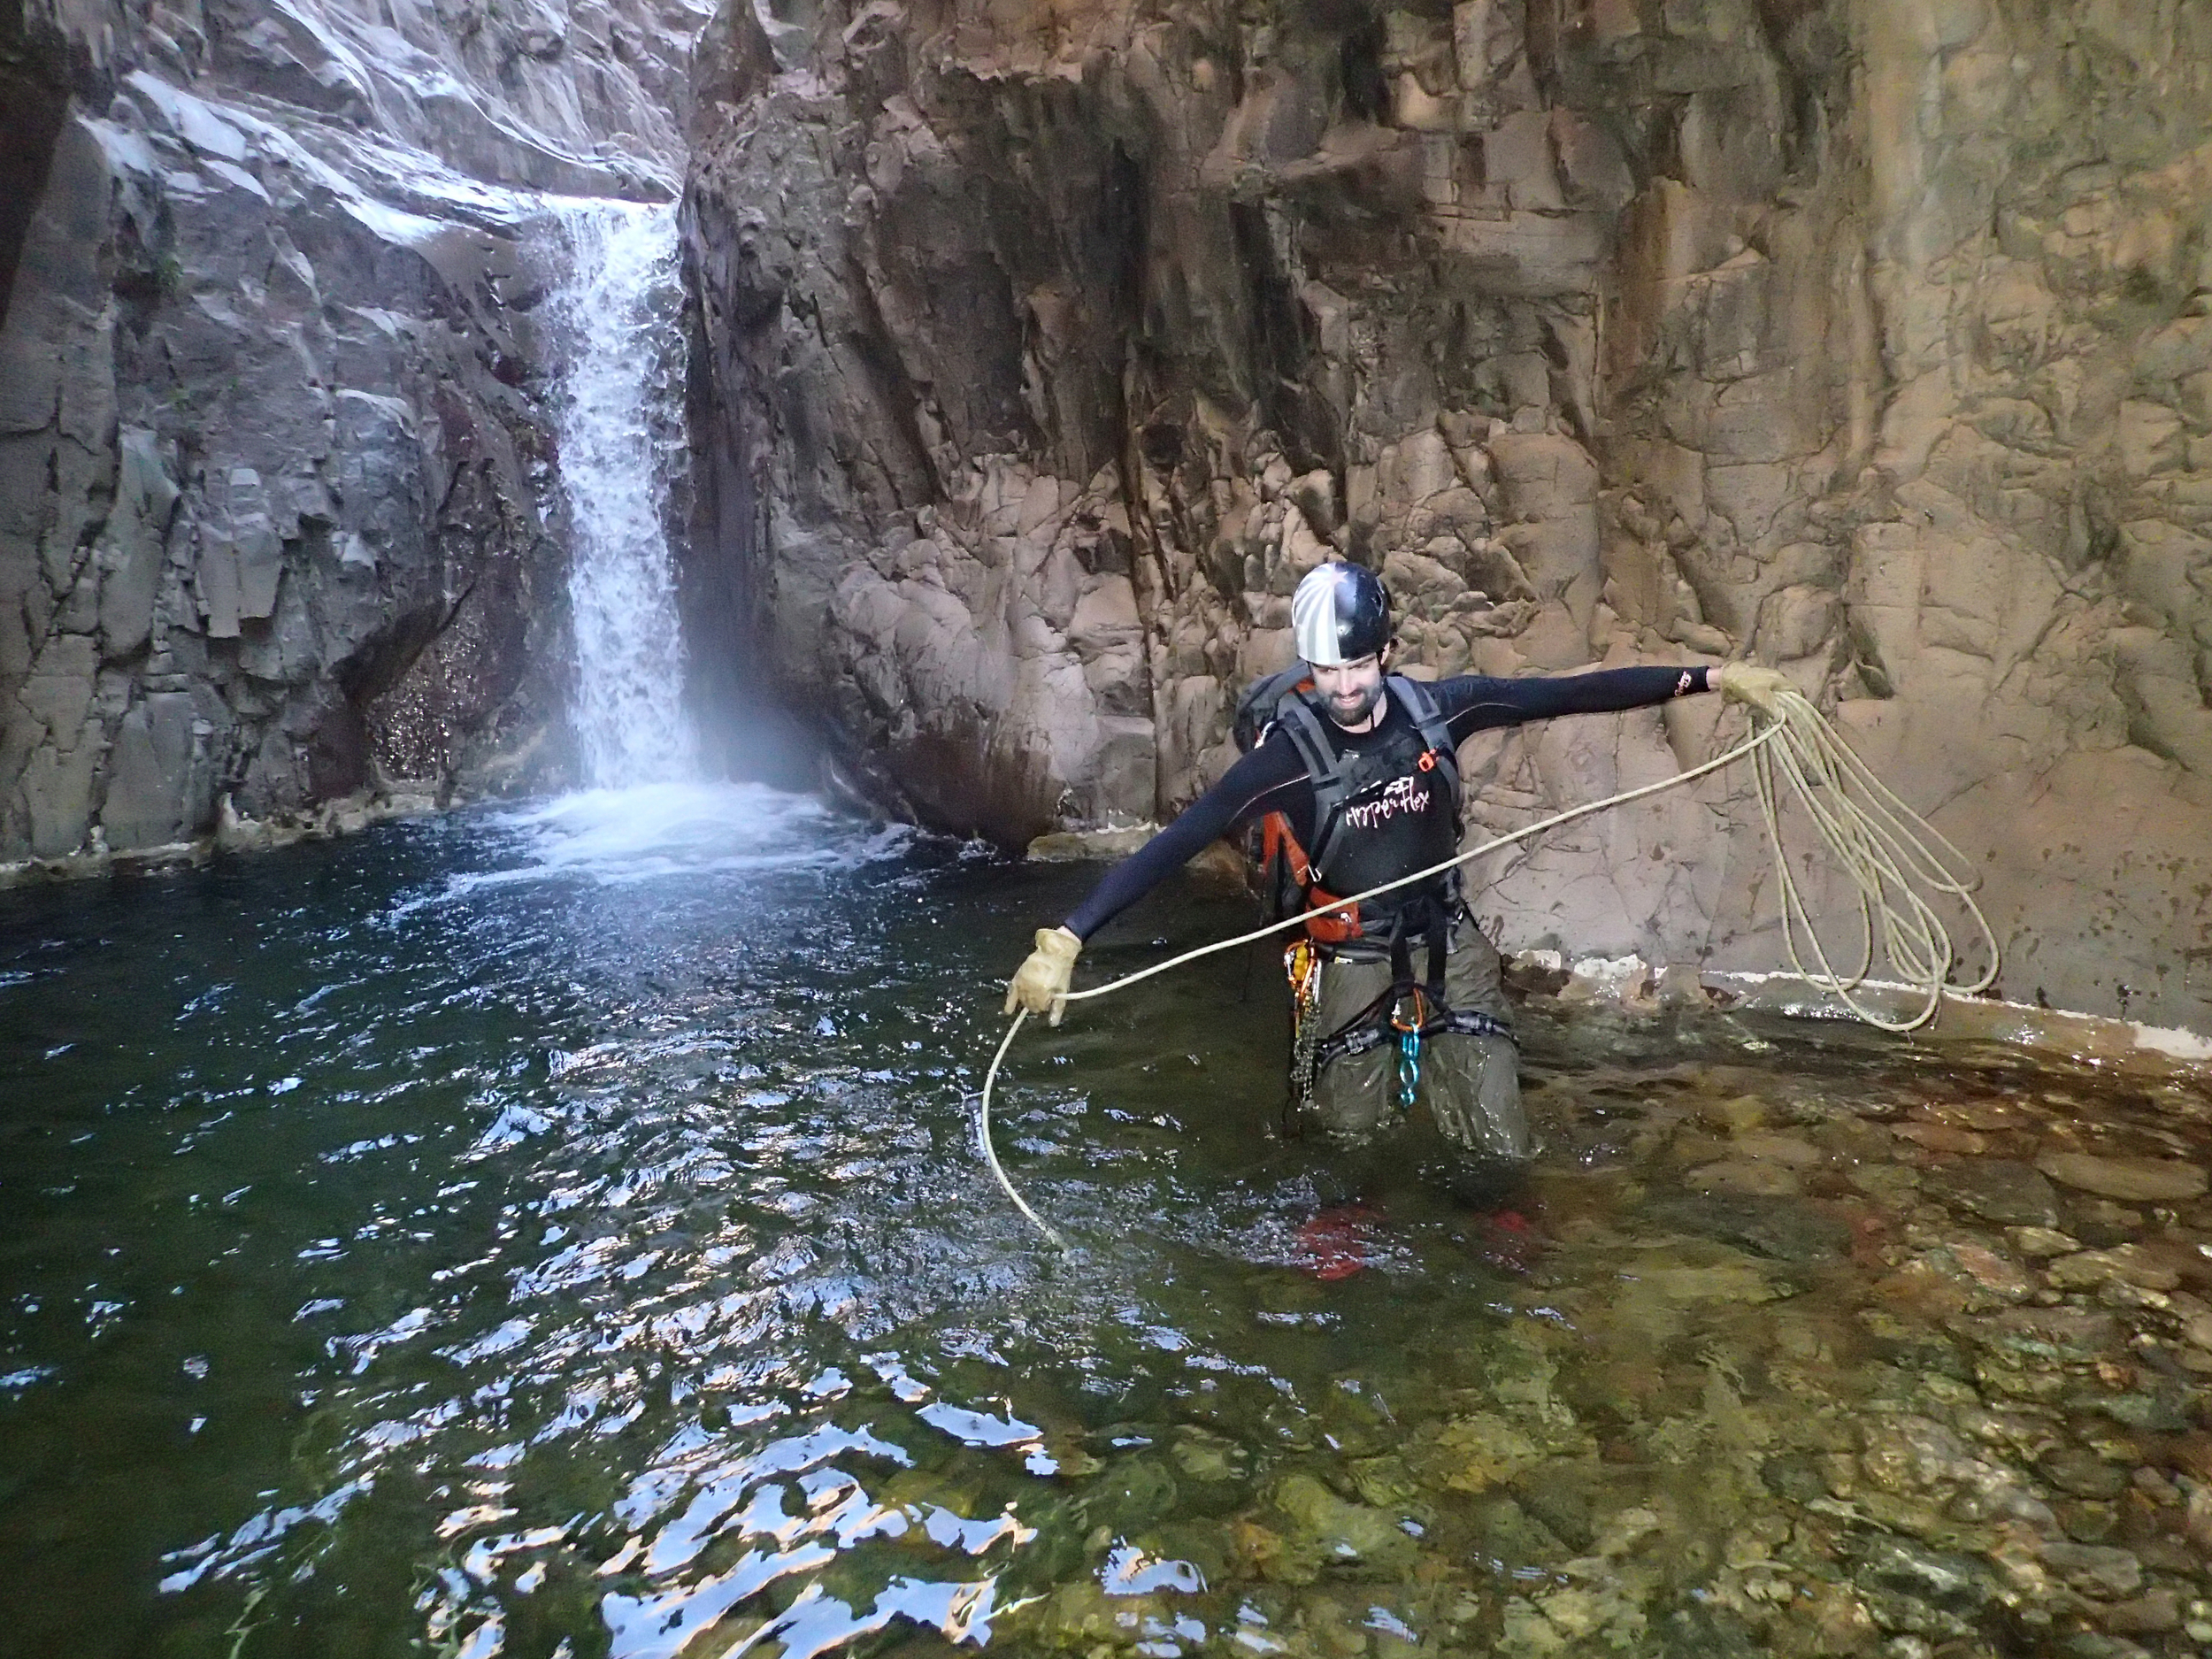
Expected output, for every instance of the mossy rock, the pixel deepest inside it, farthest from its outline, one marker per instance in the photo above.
(1307, 1530)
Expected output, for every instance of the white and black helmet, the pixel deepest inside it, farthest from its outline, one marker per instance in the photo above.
(1339, 614)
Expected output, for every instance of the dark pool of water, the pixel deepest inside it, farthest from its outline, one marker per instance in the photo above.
(565, 1233)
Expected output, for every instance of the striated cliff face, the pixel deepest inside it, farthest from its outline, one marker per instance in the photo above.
(277, 521)
(1042, 348)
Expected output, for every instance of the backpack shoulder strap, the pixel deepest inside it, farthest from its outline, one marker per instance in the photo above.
(1296, 718)
(1325, 770)
(1422, 710)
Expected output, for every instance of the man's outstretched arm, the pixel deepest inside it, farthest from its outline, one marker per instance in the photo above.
(1475, 702)
(1244, 789)
(1253, 784)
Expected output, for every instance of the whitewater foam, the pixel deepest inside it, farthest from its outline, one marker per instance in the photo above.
(654, 831)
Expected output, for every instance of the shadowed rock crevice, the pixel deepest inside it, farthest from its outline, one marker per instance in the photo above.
(33, 103)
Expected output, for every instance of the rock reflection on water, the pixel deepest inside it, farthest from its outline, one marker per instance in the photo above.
(575, 1266)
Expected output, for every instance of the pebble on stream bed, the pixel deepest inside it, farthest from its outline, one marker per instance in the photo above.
(1903, 1373)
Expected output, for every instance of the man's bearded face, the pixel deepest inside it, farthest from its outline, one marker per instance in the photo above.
(1349, 691)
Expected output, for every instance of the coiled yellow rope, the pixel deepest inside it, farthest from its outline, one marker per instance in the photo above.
(1877, 841)
(1882, 845)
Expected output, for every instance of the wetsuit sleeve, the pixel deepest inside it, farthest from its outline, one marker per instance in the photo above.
(1473, 703)
(1260, 781)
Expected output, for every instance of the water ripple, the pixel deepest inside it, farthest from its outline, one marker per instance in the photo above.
(617, 1267)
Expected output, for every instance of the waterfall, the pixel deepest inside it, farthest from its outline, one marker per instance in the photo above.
(616, 316)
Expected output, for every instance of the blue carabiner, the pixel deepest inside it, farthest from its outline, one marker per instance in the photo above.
(1409, 1068)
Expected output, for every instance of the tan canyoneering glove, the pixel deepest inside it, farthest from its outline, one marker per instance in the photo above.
(1747, 682)
(1040, 983)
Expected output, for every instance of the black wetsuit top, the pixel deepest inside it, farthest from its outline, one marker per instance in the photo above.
(1274, 779)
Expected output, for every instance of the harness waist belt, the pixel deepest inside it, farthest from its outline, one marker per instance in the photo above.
(1367, 1032)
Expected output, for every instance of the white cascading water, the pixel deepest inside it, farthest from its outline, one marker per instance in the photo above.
(615, 316)
(617, 313)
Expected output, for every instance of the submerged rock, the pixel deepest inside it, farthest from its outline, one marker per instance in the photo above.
(1981, 1267)
(1744, 1176)
(1128, 1494)
(2038, 1242)
(1994, 1189)
(1706, 1632)
(1673, 1282)
(1911, 1345)
(1510, 1533)
(1387, 1484)
(1891, 1185)
(1477, 1452)
(1579, 1612)
(2128, 1263)
(1564, 1495)
(2151, 1615)
(2045, 1337)
(1992, 1116)
(2094, 1570)
(1783, 1229)
(2087, 1521)
(1948, 1582)
(1943, 1138)
(2072, 1469)
(1795, 1477)
(1736, 1115)
(1791, 1151)
(2131, 1180)
(2160, 1412)
(2087, 1644)
(2099, 1222)
(1210, 1458)
(1313, 1532)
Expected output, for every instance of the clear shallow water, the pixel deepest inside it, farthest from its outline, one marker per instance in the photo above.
(562, 1230)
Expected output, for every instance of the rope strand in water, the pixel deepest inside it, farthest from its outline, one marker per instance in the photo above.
(990, 1152)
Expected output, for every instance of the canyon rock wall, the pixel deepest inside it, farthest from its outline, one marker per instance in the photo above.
(277, 515)
(1040, 350)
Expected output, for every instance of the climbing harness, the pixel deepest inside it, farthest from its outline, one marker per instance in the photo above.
(1876, 841)
(1408, 1010)
(1384, 1019)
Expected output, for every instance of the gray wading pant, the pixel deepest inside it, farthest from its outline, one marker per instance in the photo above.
(1470, 1084)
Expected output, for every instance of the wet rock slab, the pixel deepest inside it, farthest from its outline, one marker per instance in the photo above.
(2001, 1190)
(1783, 1229)
(2131, 1180)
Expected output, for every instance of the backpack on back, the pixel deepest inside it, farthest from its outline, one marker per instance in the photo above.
(1258, 704)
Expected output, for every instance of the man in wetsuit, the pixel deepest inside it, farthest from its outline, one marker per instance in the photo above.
(1363, 767)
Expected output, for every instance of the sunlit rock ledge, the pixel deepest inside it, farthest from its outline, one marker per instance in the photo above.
(1634, 986)
(347, 815)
